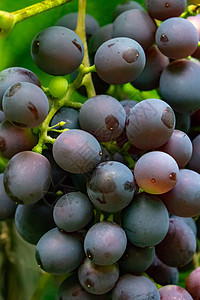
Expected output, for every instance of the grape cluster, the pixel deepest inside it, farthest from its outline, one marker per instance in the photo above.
(108, 189)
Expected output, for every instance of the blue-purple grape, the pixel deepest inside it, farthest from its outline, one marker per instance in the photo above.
(162, 10)
(178, 246)
(7, 206)
(177, 38)
(194, 162)
(102, 116)
(77, 151)
(105, 242)
(150, 124)
(111, 186)
(137, 25)
(73, 211)
(180, 85)
(131, 287)
(34, 220)
(25, 105)
(96, 279)
(127, 5)
(59, 252)
(102, 35)
(119, 60)
(57, 50)
(27, 177)
(10, 76)
(184, 199)
(192, 284)
(183, 121)
(14, 139)
(145, 220)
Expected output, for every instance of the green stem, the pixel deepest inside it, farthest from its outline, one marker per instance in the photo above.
(80, 30)
(8, 20)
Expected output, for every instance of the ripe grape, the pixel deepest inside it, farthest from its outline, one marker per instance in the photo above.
(192, 284)
(170, 292)
(194, 162)
(7, 206)
(126, 6)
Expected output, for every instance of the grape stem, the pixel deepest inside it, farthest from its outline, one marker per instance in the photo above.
(8, 20)
(191, 11)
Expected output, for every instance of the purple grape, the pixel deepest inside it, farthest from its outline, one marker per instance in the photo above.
(161, 273)
(25, 105)
(14, 139)
(10, 76)
(96, 279)
(145, 220)
(77, 151)
(105, 242)
(2, 117)
(7, 206)
(127, 5)
(177, 38)
(192, 284)
(103, 116)
(179, 245)
(102, 35)
(119, 60)
(170, 292)
(137, 25)
(195, 20)
(111, 186)
(73, 211)
(194, 162)
(59, 252)
(34, 220)
(156, 172)
(57, 50)
(150, 124)
(27, 177)
(180, 85)
(179, 146)
(182, 121)
(131, 287)
(150, 76)
(184, 199)
(162, 9)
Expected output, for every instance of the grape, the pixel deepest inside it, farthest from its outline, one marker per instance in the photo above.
(7, 206)
(14, 139)
(70, 289)
(192, 284)
(25, 105)
(145, 220)
(96, 279)
(136, 259)
(105, 242)
(189, 221)
(11, 76)
(162, 9)
(195, 20)
(2, 116)
(34, 220)
(194, 163)
(119, 60)
(150, 76)
(59, 252)
(179, 245)
(171, 292)
(184, 199)
(150, 124)
(58, 86)
(70, 21)
(57, 50)
(103, 116)
(27, 177)
(131, 287)
(76, 151)
(177, 38)
(111, 186)
(182, 121)
(127, 5)
(102, 35)
(180, 85)
(127, 105)
(161, 273)
(73, 211)
(156, 172)
(179, 146)
(137, 25)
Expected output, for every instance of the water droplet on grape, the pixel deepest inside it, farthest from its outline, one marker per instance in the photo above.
(164, 38)
(89, 254)
(100, 153)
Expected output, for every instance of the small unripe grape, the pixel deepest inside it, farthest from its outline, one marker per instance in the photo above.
(58, 86)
